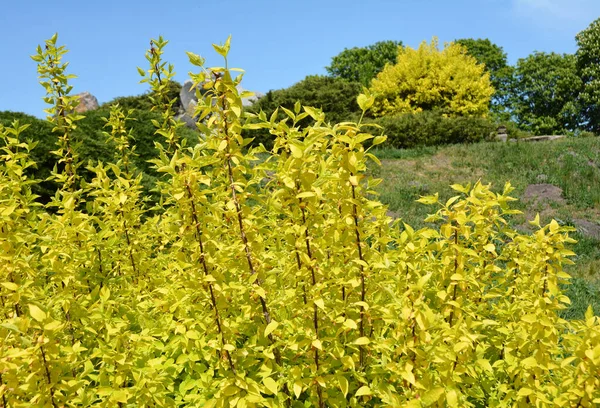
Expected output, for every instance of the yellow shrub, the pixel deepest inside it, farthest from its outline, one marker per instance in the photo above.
(429, 79)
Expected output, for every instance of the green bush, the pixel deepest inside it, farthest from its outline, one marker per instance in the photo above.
(144, 101)
(94, 146)
(514, 131)
(282, 284)
(335, 96)
(38, 131)
(430, 128)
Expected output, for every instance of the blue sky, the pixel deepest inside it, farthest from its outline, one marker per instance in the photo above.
(278, 43)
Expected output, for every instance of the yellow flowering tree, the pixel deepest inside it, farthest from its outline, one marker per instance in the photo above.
(428, 78)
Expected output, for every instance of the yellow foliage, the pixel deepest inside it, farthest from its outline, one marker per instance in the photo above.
(428, 79)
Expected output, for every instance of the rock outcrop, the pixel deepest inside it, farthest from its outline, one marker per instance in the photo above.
(87, 102)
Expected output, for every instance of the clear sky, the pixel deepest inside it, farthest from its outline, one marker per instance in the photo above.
(278, 43)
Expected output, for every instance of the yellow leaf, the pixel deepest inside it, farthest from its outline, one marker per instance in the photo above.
(408, 376)
(296, 151)
(523, 392)
(55, 324)
(306, 194)
(297, 388)
(230, 390)
(529, 362)
(362, 341)
(364, 390)
(8, 210)
(348, 363)
(343, 383)
(10, 286)
(490, 248)
(271, 327)
(529, 318)
(452, 398)
(37, 313)
(260, 292)
(485, 364)
(119, 396)
(271, 385)
(460, 188)
(317, 344)
(350, 324)
(432, 396)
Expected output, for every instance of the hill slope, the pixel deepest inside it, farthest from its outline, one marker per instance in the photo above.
(558, 179)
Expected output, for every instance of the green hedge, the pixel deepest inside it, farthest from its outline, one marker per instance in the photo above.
(335, 96)
(431, 128)
(94, 145)
(143, 101)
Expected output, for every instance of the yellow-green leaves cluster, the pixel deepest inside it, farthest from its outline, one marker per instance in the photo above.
(275, 279)
(428, 78)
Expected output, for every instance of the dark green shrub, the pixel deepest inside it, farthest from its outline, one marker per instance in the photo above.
(39, 131)
(431, 128)
(514, 132)
(335, 96)
(93, 147)
(144, 101)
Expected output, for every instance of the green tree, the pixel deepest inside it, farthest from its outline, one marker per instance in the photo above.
(428, 78)
(495, 60)
(362, 64)
(588, 66)
(547, 88)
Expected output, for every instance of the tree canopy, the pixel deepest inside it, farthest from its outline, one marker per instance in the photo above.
(362, 64)
(428, 78)
(546, 92)
(496, 63)
(588, 65)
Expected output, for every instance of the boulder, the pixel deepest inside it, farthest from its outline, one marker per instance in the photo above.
(503, 137)
(543, 138)
(502, 133)
(538, 193)
(87, 102)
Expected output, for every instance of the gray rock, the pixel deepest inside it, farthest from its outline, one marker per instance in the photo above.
(87, 102)
(187, 119)
(587, 228)
(503, 137)
(187, 94)
(542, 138)
(538, 193)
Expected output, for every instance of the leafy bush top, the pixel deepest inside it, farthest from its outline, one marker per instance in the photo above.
(428, 78)
(274, 282)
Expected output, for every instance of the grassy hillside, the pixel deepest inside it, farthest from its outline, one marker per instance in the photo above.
(571, 164)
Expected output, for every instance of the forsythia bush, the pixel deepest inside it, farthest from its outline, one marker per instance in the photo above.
(269, 279)
(429, 79)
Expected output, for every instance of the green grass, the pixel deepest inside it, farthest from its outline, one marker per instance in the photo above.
(573, 164)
